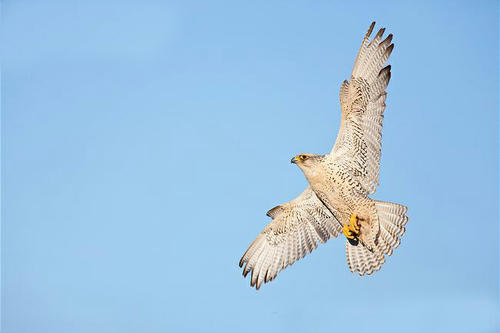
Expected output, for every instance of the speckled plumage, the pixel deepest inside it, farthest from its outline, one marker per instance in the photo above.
(339, 183)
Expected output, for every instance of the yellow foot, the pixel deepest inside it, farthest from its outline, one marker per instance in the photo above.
(354, 223)
(351, 231)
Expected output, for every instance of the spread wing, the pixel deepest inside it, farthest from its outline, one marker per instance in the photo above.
(362, 100)
(296, 228)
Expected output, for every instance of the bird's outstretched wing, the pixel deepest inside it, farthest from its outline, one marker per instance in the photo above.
(362, 100)
(296, 228)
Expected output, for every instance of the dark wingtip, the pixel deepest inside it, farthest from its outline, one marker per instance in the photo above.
(388, 39)
(267, 277)
(370, 29)
(380, 33)
(389, 49)
(258, 284)
(246, 270)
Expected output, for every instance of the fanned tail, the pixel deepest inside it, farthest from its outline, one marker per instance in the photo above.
(392, 222)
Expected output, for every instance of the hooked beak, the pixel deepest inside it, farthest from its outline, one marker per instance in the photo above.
(294, 160)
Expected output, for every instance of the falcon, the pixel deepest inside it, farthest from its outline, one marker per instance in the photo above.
(337, 198)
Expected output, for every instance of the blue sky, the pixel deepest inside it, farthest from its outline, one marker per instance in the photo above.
(143, 142)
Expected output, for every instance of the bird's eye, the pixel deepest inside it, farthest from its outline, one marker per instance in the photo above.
(304, 157)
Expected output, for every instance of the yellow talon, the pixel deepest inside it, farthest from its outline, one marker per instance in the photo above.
(352, 230)
(354, 223)
(348, 232)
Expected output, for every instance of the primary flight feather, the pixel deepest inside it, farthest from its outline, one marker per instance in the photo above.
(336, 200)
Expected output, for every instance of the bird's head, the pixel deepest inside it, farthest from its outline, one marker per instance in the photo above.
(308, 162)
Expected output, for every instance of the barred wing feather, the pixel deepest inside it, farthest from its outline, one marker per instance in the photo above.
(362, 99)
(295, 231)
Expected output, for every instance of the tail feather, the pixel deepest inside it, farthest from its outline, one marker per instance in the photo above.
(362, 260)
(392, 226)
